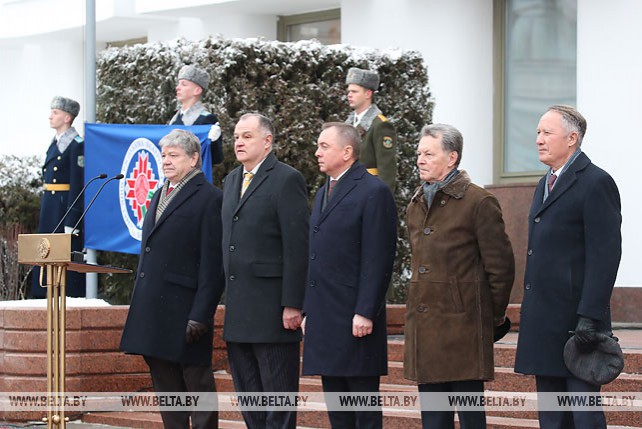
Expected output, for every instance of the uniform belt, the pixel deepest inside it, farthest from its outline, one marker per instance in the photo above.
(373, 171)
(56, 186)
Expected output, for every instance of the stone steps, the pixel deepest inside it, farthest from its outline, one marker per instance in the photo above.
(505, 381)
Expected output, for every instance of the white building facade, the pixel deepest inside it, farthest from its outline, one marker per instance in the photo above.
(463, 43)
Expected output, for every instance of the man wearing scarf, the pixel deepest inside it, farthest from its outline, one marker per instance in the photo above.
(462, 274)
(179, 281)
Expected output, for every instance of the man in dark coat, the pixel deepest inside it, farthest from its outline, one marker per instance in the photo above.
(574, 250)
(179, 280)
(63, 176)
(379, 138)
(349, 272)
(265, 256)
(192, 83)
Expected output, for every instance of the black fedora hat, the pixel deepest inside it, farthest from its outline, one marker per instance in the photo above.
(598, 364)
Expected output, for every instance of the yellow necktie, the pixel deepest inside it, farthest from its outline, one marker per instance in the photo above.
(247, 178)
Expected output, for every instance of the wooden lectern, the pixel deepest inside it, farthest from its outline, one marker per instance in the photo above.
(52, 252)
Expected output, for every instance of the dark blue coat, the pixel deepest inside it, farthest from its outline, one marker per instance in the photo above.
(574, 249)
(204, 118)
(352, 250)
(63, 168)
(179, 276)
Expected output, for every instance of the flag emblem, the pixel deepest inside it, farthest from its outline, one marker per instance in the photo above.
(143, 176)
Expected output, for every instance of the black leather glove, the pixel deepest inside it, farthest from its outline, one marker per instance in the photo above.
(586, 332)
(194, 331)
(500, 331)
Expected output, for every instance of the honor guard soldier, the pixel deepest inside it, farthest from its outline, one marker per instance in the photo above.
(378, 134)
(192, 83)
(63, 178)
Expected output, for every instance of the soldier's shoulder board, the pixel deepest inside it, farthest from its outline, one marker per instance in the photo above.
(383, 118)
(79, 139)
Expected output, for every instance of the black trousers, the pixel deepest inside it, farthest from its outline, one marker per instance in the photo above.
(265, 367)
(353, 419)
(172, 377)
(568, 419)
(445, 419)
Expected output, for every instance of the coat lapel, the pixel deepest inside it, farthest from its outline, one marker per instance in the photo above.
(565, 182)
(183, 195)
(348, 183)
(261, 176)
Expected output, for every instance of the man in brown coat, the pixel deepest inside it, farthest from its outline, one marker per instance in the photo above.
(462, 274)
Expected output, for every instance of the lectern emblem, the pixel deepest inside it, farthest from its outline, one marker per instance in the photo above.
(43, 248)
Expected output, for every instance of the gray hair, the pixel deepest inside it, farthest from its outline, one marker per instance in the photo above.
(451, 138)
(348, 136)
(572, 120)
(186, 140)
(265, 123)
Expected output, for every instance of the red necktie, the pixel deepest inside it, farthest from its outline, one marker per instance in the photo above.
(551, 181)
(169, 190)
(333, 183)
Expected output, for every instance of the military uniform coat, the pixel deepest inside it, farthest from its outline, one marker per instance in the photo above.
(462, 274)
(199, 115)
(352, 251)
(179, 276)
(378, 145)
(66, 167)
(574, 249)
(265, 252)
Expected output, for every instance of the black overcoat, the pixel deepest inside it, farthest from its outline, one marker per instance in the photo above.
(179, 276)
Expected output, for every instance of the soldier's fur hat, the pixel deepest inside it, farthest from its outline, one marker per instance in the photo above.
(66, 105)
(194, 74)
(366, 78)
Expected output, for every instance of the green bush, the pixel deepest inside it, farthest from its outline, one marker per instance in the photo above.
(299, 85)
(20, 194)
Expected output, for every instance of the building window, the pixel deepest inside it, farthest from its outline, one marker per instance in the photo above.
(323, 26)
(539, 47)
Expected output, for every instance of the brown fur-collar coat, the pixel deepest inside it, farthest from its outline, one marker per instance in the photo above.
(462, 274)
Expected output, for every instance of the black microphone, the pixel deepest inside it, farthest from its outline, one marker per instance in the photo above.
(82, 191)
(116, 177)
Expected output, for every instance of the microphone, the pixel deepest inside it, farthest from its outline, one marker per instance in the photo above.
(116, 177)
(82, 191)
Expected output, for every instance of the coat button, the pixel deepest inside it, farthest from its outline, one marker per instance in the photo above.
(427, 231)
(59, 158)
(148, 249)
(443, 202)
(54, 180)
(232, 278)
(422, 270)
(235, 218)
(313, 283)
(55, 168)
(528, 286)
(313, 256)
(232, 248)
(53, 192)
(44, 169)
(422, 308)
(315, 229)
(142, 275)
(530, 252)
(537, 219)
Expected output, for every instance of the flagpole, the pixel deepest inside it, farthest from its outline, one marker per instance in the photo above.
(90, 111)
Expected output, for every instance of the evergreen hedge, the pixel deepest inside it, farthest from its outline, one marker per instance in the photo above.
(298, 85)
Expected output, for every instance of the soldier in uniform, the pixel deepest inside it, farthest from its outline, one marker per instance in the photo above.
(192, 83)
(63, 178)
(378, 135)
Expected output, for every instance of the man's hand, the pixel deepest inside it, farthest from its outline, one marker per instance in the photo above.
(215, 132)
(586, 331)
(291, 318)
(194, 331)
(361, 326)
